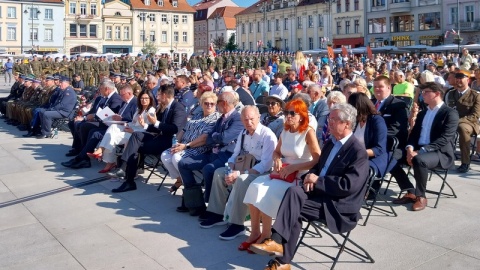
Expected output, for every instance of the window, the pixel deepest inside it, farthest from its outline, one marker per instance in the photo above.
(347, 27)
(339, 6)
(250, 27)
(285, 44)
(429, 21)
(243, 45)
(83, 30)
(339, 27)
(93, 9)
(48, 14)
(400, 1)
(258, 27)
(73, 8)
(310, 43)
(174, 3)
(310, 21)
(152, 36)
(11, 33)
(118, 32)
(164, 36)
(347, 5)
(73, 30)
(277, 25)
(160, 3)
(146, 2)
(33, 13)
(300, 44)
(243, 28)
(175, 36)
(118, 14)
(285, 24)
(299, 22)
(250, 46)
(403, 23)
(378, 25)
(453, 15)
(108, 33)
(184, 37)
(184, 19)
(356, 4)
(356, 27)
(48, 34)
(378, 3)
(175, 19)
(320, 20)
(151, 17)
(83, 8)
(142, 35)
(34, 33)
(142, 16)
(268, 26)
(11, 12)
(93, 30)
(469, 13)
(126, 33)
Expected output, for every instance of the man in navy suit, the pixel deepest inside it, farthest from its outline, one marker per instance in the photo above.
(430, 144)
(222, 138)
(95, 135)
(158, 137)
(319, 108)
(83, 124)
(332, 191)
(63, 106)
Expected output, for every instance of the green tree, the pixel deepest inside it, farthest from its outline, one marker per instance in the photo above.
(149, 48)
(219, 43)
(231, 46)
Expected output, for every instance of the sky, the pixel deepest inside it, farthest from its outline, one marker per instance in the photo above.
(240, 3)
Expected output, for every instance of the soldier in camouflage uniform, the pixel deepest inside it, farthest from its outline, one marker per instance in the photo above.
(13, 107)
(135, 86)
(163, 62)
(77, 66)
(193, 63)
(102, 66)
(64, 66)
(203, 63)
(147, 64)
(16, 66)
(128, 64)
(25, 67)
(115, 65)
(87, 70)
(122, 64)
(219, 61)
(36, 67)
(56, 65)
(138, 64)
(45, 63)
(95, 70)
(25, 110)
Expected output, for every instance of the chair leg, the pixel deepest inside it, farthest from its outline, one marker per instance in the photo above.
(153, 169)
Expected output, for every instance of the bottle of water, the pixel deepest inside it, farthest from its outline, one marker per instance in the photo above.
(55, 133)
(174, 140)
(228, 170)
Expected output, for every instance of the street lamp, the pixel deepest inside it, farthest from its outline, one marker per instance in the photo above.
(329, 28)
(142, 16)
(171, 31)
(32, 14)
(458, 40)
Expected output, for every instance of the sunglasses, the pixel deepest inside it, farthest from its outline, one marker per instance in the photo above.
(268, 103)
(211, 104)
(291, 113)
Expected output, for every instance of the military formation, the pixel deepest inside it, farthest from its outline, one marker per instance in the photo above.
(242, 59)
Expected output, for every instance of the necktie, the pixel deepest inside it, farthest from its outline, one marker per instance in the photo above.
(164, 116)
(377, 105)
(123, 109)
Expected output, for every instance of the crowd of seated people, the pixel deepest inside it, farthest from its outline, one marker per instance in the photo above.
(311, 147)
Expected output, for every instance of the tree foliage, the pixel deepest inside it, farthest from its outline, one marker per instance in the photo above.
(219, 43)
(149, 48)
(231, 46)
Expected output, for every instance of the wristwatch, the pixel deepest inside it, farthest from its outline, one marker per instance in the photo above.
(188, 146)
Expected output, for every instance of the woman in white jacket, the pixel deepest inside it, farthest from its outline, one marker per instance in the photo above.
(300, 64)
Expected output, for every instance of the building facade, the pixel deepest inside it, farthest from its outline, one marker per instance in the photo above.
(203, 10)
(222, 24)
(165, 24)
(117, 26)
(348, 23)
(83, 26)
(288, 25)
(11, 27)
(403, 23)
(467, 20)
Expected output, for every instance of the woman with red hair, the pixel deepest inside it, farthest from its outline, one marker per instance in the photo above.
(297, 151)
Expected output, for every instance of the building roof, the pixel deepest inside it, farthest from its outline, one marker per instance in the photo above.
(44, 1)
(230, 23)
(183, 6)
(226, 12)
(205, 4)
(256, 7)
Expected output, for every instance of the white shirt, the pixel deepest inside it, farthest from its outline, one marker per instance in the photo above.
(261, 145)
(280, 90)
(427, 125)
(360, 133)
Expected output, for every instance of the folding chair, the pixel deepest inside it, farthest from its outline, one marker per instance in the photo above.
(152, 162)
(320, 226)
(262, 108)
(260, 99)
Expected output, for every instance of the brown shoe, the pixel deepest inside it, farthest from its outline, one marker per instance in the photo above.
(275, 265)
(268, 247)
(407, 198)
(419, 204)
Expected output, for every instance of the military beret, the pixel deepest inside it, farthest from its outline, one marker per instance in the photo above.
(462, 74)
(64, 79)
(56, 77)
(130, 78)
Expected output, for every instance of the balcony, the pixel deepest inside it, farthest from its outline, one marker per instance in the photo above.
(422, 3)
(84, 18)
(400, 7)
(469, 26)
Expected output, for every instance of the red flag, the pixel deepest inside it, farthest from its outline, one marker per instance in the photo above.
(211, 51)
(331, 54)
(369, 53)
(344, 51)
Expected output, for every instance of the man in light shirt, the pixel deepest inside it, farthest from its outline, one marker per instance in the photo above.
(278, 88)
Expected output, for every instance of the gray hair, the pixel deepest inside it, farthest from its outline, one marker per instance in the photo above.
(346, 113)
(108, 84)
(251, 107)
(337, 97)
(126, 88)
(303, 97)
(399, 73)
(229, 97)
(152, 79)
(208, 94)
(314, 86)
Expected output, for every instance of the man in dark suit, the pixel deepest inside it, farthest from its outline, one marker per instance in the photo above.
(82, 125)
(467, 103)
(157, 138)
(430, 144)
(319, 108)
(64, 105)
(222, 138)
(95, 135)
(332, 191)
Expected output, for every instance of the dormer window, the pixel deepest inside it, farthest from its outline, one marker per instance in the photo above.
(174, 3)
(147, 2)
(160, 3)
(118, 14)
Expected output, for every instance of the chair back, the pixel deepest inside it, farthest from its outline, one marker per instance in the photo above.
(262, 108)
(260, 100)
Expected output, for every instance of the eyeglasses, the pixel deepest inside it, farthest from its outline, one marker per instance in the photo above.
(426, 91)
(291, 113)
(268, 103)
(145, 98)
(211, 104)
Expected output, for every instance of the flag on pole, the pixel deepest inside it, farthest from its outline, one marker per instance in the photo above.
(211, 51)
(369, 53)
(344, 51)
(330, 52)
